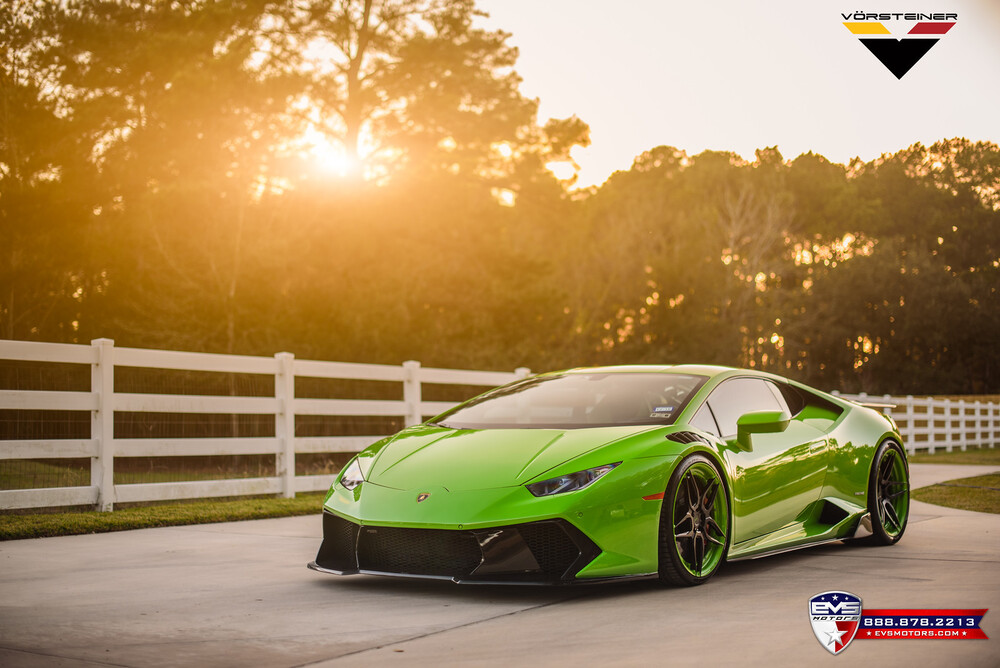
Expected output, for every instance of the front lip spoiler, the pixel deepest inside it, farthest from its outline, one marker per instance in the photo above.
(444, 578)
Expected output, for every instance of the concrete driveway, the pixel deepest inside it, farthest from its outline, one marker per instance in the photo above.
(239, 594)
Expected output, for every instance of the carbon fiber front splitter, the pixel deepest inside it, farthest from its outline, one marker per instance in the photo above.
(444, 578)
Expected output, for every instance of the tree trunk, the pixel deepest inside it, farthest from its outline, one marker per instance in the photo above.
(353, 110)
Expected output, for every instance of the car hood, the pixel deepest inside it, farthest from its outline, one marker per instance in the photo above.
(466, 459)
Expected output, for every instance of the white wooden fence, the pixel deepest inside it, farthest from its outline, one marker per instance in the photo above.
(931, 424)
(925, 423)
(102, 401)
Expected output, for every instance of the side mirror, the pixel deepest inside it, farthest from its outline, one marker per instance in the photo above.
(760, 422)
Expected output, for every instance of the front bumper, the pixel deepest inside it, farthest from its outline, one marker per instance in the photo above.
(543, 552)
(619, 516)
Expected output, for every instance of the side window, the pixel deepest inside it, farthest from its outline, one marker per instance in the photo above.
(738, 396)
(780, 397)
(790, 397)
(703, 420)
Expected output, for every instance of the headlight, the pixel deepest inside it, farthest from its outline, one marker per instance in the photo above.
(352, 475)
(569, 483)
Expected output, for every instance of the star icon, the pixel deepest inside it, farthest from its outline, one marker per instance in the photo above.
(834, 597)
(834, 637)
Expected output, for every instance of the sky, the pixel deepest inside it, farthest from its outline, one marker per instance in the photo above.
(739, 75)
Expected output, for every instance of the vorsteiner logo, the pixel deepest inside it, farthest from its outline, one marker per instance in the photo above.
(899, 55)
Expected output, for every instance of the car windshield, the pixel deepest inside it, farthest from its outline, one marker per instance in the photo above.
(576, 400)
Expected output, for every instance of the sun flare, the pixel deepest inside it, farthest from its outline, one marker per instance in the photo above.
(563, 170)
(326, 156)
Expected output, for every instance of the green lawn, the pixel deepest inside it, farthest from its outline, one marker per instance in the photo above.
(979, 493)
(200, 512)
(986, 456)
(35, 474)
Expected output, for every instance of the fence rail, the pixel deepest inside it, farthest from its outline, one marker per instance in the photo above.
(925, 423)
(103, 402)
(931, 424)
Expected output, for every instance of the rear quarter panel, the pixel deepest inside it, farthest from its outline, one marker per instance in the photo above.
(852, 443)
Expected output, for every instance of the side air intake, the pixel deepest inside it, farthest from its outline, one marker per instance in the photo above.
(687, 437)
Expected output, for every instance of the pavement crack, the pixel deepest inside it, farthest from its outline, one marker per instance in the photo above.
(53, 655)
(438, 632)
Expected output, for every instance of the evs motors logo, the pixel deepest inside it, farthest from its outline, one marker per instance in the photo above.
(837, 617)
(899, 55)
(834, 616)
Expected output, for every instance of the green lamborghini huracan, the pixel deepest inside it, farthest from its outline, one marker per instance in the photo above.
(598, 474)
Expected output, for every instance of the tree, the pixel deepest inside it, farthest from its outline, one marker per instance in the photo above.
(180, 131)
(411, 84)
(45, 187)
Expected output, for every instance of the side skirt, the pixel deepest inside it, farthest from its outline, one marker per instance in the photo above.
(796, 537)
(782, 550)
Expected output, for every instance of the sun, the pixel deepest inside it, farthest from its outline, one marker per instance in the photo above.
(564, 170)
(325, 156)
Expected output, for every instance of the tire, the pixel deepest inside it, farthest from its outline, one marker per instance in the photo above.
(694, 523)
(888, 494)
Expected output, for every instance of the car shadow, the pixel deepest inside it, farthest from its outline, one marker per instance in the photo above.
(546, 594)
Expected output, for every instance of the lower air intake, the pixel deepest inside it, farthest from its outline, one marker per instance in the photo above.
(339, 540)
(554, 550)
(545, 551)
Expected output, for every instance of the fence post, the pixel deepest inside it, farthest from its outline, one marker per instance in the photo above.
(963, 435)
(412, 395)
(994, 413)
(911, 431)
(979, 424)
(947, 425)
(929, 414)
(887, 399)
(522, 372)
(102, 423)
(284, 422)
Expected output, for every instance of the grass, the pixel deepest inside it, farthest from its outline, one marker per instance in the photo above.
(39, 474)
(979, 493)
(986, 456)
(201, 512)
(35, 474)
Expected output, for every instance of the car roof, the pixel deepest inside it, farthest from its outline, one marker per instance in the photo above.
(694, 369)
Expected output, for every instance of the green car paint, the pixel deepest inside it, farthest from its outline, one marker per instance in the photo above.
(791, 480)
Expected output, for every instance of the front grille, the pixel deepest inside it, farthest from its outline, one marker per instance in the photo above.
(418, 551)
(559, 549)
